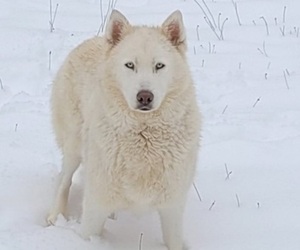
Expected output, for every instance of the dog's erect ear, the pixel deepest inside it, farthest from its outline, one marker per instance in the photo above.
(173, 28)
(116, 27)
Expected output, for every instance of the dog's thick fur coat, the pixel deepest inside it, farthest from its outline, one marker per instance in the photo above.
(133, 158)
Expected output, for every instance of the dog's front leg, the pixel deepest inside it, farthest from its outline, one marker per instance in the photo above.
(171, 222)
(93, 215)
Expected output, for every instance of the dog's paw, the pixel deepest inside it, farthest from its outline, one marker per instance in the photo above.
(51, 219)
(55, 218)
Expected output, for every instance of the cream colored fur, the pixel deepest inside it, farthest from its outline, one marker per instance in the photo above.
(132, 159)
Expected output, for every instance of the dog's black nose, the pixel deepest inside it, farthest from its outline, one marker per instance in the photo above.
(145, 97)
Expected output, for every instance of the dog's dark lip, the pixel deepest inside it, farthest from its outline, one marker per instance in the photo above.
(144, 108)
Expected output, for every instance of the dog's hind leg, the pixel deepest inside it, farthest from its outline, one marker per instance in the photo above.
(171, 222)
(71, 161)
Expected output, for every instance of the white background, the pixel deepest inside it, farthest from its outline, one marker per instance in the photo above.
(258, 140)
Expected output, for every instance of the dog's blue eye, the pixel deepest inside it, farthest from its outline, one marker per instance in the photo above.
(159, 66)
(130, 65)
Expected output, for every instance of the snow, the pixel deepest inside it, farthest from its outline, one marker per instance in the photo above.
(251, 124)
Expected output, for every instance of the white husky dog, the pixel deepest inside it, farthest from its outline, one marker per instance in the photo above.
(124, 106)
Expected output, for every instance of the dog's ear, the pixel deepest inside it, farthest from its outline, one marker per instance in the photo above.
(116, 27)
(173, 28)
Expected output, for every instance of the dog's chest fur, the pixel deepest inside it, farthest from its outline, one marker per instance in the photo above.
(149, 163)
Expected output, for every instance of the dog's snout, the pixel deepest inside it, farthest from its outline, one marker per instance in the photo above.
(145, 97)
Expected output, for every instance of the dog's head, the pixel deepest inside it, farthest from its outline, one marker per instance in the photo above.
(146, 62)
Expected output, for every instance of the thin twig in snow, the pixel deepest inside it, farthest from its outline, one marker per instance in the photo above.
(101, 11)
(141, 241)
(257, 100)
(282, 30)
(104, 19)
(287, 71)
(211, 206)
(296, 30)
(219, 21)
(264, 52)
(211, 15)
(113, 4)
(222, 28)
(237, 12)
(197, 31)
(285, 79)
(52, 16)
(260, 51)
(211, 48)
(50, 59)
(237, 200)
(200, 6)
(50, 21)
(212, 28)
(266, 24)
(227, 172)
(55, 12)
(264, 49)
(209, 20)
(1, 84)
(214, 49)
(224, 110)
(209, 23)
(283, 15)
(196, 189)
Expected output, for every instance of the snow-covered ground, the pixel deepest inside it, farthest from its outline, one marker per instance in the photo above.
(249, 91)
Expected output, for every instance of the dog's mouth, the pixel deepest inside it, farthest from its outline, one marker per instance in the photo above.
(144, 108)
